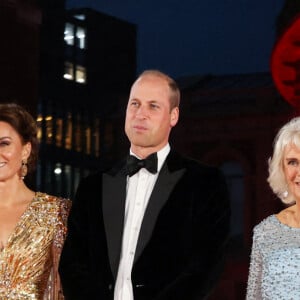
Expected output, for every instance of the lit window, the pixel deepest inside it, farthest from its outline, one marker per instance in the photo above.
(68, 134)
(49, 129)
(59, 133)
(39, 126)
(88, 140)
(80, 74)
(79, 17)
(69, 34)
(80, 36)
(69, 71)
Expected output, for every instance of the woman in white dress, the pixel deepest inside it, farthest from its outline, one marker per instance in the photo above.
(275, 258)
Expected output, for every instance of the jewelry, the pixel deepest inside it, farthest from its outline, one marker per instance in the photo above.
(24, 169)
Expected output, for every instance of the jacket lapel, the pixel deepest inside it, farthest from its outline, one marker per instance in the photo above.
(113, 202)
(113, 205)
(169, 175)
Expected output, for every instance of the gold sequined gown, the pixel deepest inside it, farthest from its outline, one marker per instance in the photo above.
(29, 261)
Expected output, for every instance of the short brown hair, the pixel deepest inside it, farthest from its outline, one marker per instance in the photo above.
(174, 89)
(25, 125)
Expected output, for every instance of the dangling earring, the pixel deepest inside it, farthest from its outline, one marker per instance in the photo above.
(285, 194)
(24, 169)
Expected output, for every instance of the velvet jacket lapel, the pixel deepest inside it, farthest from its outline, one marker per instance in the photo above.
(160, 195)
(114, 196)
(113, 205)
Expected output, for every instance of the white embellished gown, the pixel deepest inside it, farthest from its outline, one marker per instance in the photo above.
(275, 262)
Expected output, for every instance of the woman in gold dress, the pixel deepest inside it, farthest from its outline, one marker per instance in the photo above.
(32, 224)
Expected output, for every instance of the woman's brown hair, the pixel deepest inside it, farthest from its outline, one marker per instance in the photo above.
(25, 125)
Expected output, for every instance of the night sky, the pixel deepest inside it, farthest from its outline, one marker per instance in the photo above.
(193, 37)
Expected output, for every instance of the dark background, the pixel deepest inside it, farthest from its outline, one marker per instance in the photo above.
(198, 37)
(218, 51)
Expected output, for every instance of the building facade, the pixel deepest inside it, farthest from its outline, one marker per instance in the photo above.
(73, 71)
(87, 62)
(230, 121)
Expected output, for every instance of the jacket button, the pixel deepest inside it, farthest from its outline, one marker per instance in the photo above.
(110, 286)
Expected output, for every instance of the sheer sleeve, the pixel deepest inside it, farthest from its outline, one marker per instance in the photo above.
(54, 290)
(255, 270)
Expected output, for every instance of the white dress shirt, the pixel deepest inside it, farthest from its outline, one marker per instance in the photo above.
(139, 189)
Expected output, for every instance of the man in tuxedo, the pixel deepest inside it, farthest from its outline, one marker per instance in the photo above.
(154, 226)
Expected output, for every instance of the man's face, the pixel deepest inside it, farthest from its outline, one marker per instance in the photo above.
(148, 116)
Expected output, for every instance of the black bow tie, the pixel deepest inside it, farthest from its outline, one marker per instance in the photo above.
(134, 164)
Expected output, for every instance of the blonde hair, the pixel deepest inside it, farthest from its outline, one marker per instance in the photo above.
(289, 134)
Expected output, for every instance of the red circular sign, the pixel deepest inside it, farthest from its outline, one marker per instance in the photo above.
(285, 63)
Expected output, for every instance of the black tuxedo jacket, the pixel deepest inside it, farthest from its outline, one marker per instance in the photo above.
(181, 241)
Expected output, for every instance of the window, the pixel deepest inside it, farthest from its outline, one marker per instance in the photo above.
(68, 133)
(69, 71)
(49, 129)
(80, 74)
(72, 39)
(39, 126)
(59, 132)
(69, 34)
(88, 140)
(80, 37)
(47, 123)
